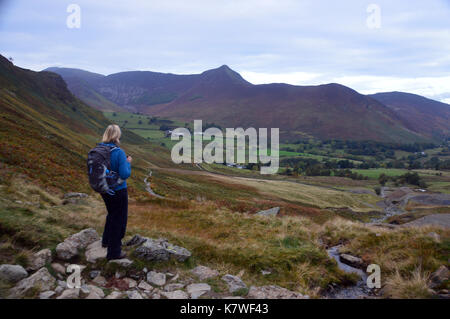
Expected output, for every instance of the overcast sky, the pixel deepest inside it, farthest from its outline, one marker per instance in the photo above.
(294, 41)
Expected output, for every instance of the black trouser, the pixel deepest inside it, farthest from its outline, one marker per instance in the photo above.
(116, 222)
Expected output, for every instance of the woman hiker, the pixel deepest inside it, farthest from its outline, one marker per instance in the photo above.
(116, 203)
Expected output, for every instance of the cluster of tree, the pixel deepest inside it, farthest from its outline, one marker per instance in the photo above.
(380, 150)
(305, 163)
(350, 174)
(411, 178)
(437, 164)
(318, 170)
(165, 127)
(373, 146)
(312, 167)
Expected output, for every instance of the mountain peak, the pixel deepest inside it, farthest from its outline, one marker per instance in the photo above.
(224, 67)
(224, 74)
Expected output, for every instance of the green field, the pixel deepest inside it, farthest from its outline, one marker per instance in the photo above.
(142, 125)
(376, 172)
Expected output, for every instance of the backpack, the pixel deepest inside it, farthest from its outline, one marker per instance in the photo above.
(101, 178)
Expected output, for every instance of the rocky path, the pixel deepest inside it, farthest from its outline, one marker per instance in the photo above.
(50, 276)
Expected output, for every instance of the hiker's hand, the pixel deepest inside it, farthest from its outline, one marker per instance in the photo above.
(129, 159)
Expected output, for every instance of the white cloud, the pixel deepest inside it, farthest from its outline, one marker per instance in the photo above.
(298, 42)
(295, 78)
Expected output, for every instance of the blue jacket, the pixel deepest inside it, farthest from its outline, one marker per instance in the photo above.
(119, 164)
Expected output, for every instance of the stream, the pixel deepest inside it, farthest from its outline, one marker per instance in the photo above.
(148, 187)
(357, 291)
(390, 209)
(360, 289)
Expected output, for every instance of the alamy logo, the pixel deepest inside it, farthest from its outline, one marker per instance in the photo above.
(74, 279)
(374, 280)
(214, 151)
(74, 18)
(374, 19)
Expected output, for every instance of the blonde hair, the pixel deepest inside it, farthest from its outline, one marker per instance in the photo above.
(112, 134)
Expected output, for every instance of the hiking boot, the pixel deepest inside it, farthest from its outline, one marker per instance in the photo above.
(121, 256)
(106, 245)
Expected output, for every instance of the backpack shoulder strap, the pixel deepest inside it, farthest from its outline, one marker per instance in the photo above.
(103, 150)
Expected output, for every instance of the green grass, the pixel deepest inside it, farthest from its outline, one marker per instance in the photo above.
(375, 173)
(442, 187)
(140, 125)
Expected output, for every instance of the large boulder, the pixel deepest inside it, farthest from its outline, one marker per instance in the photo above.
(131, 283)
(269, 212)
(72, 245)
(124, 262)
(70, 294)
(40, 259)
(145, 286)
(273, 292)
(177, 294)
(133, 294)
(75, 195)
(351, 260)
(115, 295)
(234, 283)
(93, 295)
(100, 281)
(73, 198)
(161, 250)
(12, 273)
(60, 269)
(136, 240)
(156, 278)
(173, 287)
(203, 272)
(95, 252)
(40, 280)
(96, 290)
(197, 290)
(46, 294)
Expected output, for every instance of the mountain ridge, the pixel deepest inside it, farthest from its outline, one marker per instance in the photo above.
(223, 96)
(418, 112)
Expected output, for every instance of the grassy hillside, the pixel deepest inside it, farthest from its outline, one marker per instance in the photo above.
(419, 113)
(81, 83)
(46, 132)
(293, 249)
(326, 112)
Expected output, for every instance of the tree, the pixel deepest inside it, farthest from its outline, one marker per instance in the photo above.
(378, 190)
(383, 179)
